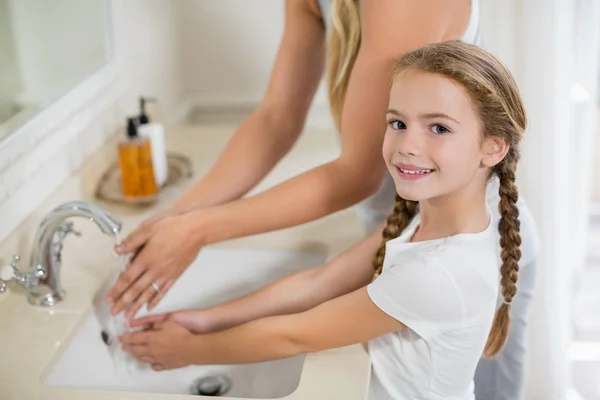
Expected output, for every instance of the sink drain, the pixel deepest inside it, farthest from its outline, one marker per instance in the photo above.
(216, 385)
(106, 338)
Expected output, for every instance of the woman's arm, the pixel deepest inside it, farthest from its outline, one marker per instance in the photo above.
(296, 293)
(262, 140)
(270, 131)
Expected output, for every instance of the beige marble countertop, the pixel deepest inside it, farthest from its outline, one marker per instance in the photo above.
(31, 337)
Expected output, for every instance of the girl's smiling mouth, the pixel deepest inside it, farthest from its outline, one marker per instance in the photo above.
(412, 172)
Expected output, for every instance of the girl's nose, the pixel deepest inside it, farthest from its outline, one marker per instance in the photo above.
(409, 142)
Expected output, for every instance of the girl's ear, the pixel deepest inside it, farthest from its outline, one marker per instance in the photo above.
(494, 149)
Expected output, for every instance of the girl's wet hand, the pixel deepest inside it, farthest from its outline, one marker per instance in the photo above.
(164, 249)
(166, 346)
(192, 320)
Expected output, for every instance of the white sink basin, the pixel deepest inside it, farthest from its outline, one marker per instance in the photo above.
(218, 274)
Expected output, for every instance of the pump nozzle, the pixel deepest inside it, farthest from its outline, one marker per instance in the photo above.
(143, 117)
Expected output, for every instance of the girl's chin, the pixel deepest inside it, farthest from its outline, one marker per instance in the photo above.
(410, 195)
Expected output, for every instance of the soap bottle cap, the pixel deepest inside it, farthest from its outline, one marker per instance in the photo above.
(143, 117)
(132, 131)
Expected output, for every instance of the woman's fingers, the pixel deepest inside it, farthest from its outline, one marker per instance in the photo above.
(141, 234)
(135, 239)
(120, 293)
(163, 290)
(146, 295)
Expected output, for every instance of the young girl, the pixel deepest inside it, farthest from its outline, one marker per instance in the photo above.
(455, 120)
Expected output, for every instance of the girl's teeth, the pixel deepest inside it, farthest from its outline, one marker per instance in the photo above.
(422, 171)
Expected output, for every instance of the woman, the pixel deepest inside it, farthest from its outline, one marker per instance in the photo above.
(362, 47)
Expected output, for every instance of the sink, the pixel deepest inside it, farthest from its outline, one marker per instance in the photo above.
(218, 274)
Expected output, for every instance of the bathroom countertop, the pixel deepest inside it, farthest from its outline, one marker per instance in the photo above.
(32, 337)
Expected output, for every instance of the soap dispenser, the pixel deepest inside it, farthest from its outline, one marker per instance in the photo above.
(135, 160)
(155, 132)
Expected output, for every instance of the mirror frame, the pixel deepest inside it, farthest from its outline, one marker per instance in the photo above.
(61, 120)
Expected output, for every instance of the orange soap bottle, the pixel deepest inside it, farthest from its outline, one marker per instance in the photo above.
(135, 161)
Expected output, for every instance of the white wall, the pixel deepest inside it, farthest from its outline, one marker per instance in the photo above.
(495, 18)
(154, 55)
(9, 74)
(228, 49)
(551, 46)
(229, 46)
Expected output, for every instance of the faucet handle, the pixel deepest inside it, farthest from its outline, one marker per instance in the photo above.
(8, 273)
(27, 280)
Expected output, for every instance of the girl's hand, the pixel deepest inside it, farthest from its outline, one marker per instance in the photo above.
(166, 346)
(164, 248)
(191, 320)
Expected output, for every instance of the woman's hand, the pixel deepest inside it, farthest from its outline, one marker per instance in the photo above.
(164, 247)
(166, 345)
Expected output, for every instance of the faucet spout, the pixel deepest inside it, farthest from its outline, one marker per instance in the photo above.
(108, 224)
(48, 244)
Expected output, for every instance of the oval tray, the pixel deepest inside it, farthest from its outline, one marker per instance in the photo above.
(109, 187)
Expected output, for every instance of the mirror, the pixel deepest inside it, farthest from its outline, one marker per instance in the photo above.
(47, 47)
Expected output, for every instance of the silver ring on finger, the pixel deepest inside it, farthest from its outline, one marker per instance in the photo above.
(155, 287)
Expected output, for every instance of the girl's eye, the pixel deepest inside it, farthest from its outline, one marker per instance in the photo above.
(397, 125)
(439, 129)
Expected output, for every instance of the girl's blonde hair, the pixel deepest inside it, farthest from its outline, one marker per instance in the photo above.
(344, 42)
(496, 99)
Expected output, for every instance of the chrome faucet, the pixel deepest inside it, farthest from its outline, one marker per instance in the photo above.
(42, 281)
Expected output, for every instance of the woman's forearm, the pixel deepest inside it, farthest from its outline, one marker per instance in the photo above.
(311, 195)
(268, 134)
(259, 143)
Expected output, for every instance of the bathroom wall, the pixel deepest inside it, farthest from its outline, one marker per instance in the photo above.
(154, 56)
(152, 61)
(228, 49)
(9, 75)
(494, 16)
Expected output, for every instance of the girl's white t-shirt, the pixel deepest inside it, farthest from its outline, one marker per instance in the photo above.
(445, 292)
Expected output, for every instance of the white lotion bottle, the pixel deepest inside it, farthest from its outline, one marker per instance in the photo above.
(155, 132)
